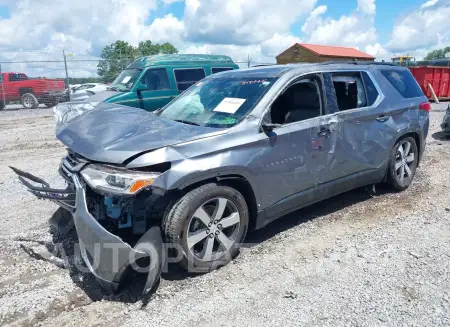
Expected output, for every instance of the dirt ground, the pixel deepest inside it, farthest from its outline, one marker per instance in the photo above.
(358, 259)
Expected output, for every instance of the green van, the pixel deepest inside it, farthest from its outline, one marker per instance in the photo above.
(152, 82)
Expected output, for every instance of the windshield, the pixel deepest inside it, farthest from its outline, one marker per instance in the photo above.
(217, 102)
(125, 80)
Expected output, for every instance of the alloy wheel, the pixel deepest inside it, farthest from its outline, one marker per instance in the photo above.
(404, 161)
(213, 229)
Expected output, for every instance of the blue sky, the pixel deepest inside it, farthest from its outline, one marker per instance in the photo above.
(260, 29)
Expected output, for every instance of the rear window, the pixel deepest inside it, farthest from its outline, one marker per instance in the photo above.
(404, 82)
(186, 77)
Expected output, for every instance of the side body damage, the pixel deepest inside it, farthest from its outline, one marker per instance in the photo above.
(278, 168)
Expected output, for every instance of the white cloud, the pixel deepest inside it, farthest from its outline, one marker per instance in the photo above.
(354, 30)
(422, 29)
(36, 25)
(241, 22)
(429, 3)
(378, 51)
(367, 6)
(166, 29)
(314, 20)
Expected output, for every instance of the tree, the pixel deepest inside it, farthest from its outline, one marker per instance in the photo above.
(436, 54)
(118, 55)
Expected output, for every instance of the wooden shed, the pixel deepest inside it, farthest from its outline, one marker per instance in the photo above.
(302, 52)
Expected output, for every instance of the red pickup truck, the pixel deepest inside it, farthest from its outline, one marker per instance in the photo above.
(15, 87)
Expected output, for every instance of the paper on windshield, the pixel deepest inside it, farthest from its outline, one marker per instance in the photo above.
(230, 105)
(126, 79)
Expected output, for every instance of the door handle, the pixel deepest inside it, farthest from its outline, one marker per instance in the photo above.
(382, 118)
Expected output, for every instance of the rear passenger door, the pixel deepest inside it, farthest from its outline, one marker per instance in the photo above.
(363, 133)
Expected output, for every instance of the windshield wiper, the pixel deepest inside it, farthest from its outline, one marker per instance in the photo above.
(186, 122)
(114, 88)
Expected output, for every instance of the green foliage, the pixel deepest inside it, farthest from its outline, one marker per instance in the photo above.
(118, 55)
(437, 54)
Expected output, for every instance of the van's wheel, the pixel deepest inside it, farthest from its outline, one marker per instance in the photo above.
(29, 101)
(403, 163)
(207, 225)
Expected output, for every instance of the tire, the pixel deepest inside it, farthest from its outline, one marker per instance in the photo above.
(181, 223)
(29, 101)
(402, 164)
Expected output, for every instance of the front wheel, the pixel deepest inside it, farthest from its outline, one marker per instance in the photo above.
(207, 225)
(403, 162)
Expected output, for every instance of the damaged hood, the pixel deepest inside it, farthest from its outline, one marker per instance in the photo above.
(112, 133)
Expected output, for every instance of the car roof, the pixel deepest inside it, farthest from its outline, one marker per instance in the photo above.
(275, 70)
(180, 59)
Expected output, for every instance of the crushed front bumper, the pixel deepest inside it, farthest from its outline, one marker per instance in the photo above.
(105, 254)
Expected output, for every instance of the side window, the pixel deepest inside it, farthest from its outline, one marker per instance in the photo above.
(156, 79)
(186, 77)
(404, 82)
(349, 90)
(220, 69)
(300, 101)
(13, 78)
(371, 90)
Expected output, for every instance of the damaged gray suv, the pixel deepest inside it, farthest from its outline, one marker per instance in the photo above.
(237, 149)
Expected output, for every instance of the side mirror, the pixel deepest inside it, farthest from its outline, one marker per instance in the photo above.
(141, 87)
(269, 127)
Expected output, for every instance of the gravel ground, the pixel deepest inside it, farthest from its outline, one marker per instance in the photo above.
(354, 260)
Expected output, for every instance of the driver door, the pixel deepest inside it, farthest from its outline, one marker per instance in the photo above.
(295, 154)
(158, 92)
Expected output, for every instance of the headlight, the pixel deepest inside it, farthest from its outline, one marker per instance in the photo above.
(117, 181)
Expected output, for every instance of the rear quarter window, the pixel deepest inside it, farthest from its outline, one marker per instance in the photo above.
(403, 82)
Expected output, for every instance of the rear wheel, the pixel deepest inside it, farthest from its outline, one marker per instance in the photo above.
(207, 225)
(403, 163)
(29, 101)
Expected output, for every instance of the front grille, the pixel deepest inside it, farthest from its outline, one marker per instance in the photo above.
(71, 164)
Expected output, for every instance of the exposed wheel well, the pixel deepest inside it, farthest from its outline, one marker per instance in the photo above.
(239, 183)
(22, 91)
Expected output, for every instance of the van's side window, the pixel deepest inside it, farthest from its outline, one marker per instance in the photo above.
(186, 77)
(220, 69)
(156, 79)
(349, 89)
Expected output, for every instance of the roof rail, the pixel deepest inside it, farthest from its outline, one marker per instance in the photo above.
(355, 62)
